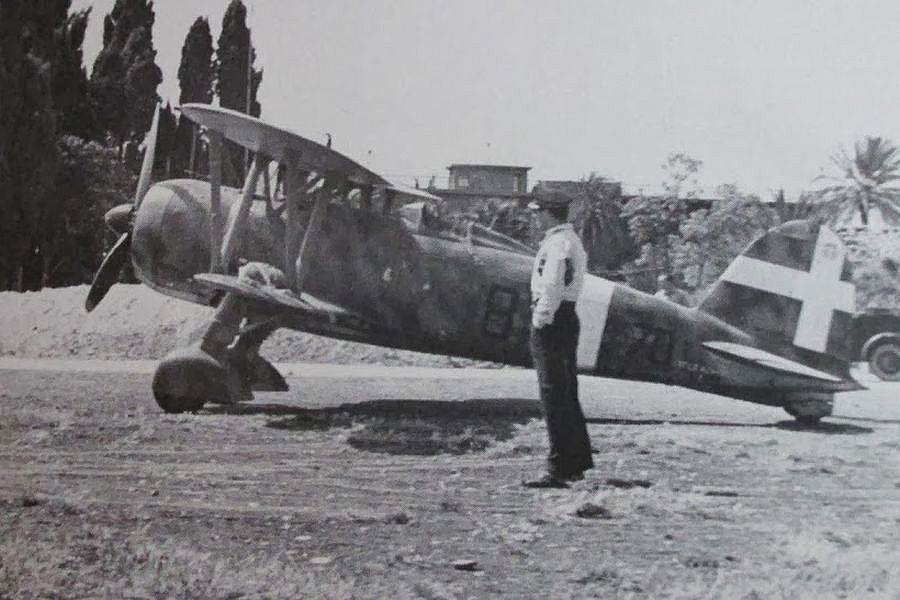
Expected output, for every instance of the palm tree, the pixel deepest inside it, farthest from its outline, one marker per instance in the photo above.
(866, 181)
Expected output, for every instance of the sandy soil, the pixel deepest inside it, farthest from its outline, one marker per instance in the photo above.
(377, 487)
(134, 322)
(405, 483)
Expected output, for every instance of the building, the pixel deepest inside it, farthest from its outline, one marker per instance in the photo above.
(471, 184)
(608, 188)
(489, 178)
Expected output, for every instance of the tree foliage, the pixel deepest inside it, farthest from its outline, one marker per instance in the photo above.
(54, 187)
(865, 180)
(233, 52)
(195, 76)
(234, 71)
(90, 180)
(505, 216)
(596, 215)
(165, 143)
(195, 72)
(69, 81)
(653, 221)
(142, 77)
(28, 125)
(12, 57)
(710, 239)
(125, 74)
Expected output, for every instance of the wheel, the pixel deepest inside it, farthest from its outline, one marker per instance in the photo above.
(808, 408)
(174, 405)
(803, 418)
(189, 378)
(807, 420)
(884, 361)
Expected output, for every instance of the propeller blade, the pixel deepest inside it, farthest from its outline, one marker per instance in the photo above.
(149, 156)
(109, 270)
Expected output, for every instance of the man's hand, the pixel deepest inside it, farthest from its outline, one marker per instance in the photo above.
(538, 323)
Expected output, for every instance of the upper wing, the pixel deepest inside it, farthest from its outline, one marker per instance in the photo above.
(279, 144)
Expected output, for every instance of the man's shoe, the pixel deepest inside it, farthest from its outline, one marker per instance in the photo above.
(547, 481)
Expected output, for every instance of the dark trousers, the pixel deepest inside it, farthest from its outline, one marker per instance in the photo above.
(553, 349)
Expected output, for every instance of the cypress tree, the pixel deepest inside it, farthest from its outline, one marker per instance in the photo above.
(235, 60)
(142, 77)
(125, 75)
(195, 73)
(11, 57)
(54, 187)
(165, 142)
(195, 76)
(28, 159)
(69, 79)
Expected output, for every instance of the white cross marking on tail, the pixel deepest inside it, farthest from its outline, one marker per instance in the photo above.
(820, 289)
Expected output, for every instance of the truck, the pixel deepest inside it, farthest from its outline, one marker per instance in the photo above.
(877, 341)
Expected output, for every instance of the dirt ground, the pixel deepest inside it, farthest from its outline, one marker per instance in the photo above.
(134, 322)
(366, 485)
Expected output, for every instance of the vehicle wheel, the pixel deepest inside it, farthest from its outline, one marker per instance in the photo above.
(884, 362)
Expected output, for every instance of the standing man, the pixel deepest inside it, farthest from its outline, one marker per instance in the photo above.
(556, 281)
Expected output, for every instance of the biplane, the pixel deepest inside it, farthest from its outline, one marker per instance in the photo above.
(340, 251)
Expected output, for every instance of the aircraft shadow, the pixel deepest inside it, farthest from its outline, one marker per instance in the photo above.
(414, 427)
(512, 408)
(429, 427)
(868, 420)
(824, 427)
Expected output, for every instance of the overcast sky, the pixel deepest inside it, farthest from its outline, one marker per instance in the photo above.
(762, 92)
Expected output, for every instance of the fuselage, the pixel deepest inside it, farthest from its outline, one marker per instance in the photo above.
(431, 292)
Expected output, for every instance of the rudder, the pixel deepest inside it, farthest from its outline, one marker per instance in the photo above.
(792, 290)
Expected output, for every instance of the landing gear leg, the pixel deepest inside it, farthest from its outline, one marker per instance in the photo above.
(255, 372)
(190, 377)
(224, 367)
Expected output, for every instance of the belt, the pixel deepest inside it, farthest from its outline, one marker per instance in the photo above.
(565, 304)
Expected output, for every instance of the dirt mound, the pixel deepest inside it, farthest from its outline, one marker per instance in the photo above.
(135, 322)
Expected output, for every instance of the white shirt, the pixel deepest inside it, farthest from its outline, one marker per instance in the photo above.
(558, 272)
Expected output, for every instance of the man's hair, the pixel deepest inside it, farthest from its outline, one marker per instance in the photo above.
(560, 213)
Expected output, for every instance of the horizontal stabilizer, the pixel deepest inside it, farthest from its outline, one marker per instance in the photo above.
(413, 191)
(769, 361)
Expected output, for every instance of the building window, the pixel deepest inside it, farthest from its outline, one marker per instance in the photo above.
(516, 187)
(462, 181)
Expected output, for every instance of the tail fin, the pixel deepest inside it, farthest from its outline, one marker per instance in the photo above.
(792, 290)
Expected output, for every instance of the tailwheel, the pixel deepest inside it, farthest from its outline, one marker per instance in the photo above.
(807, 420)
(188, 378)
(809, 407)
